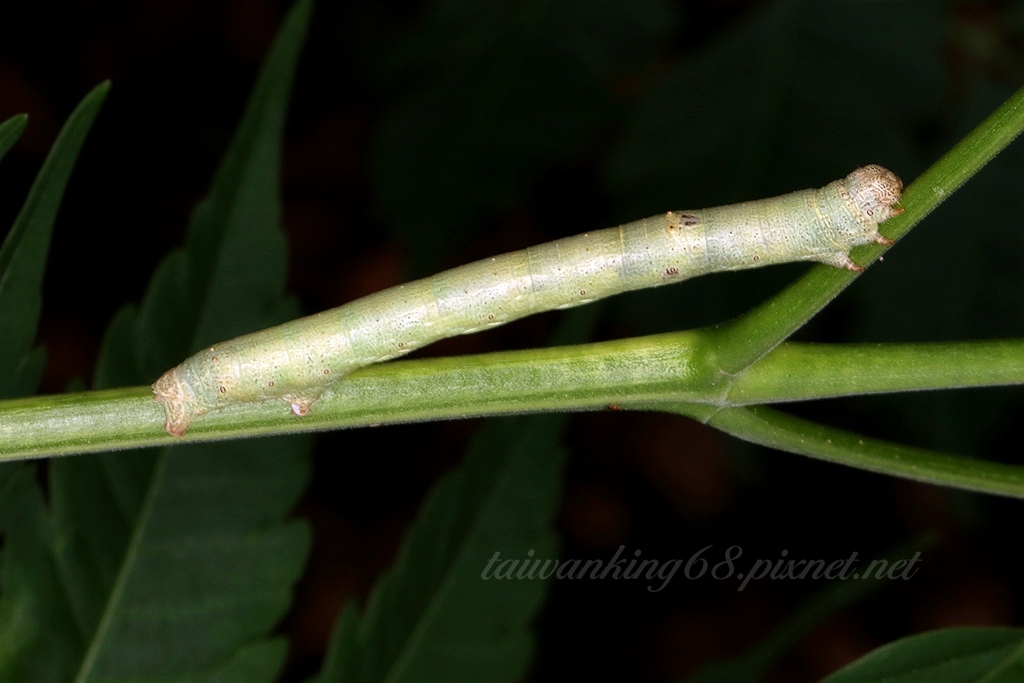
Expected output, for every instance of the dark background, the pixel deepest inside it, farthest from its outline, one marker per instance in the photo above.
(427, 134)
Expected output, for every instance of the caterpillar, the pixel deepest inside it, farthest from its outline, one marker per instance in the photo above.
(298, 360)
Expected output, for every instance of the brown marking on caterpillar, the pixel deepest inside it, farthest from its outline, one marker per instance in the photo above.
(301, 404)
(672, 225)
(170, 392)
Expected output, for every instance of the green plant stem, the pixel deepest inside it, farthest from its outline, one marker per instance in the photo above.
(775, 429)
(644, 372)
(800, 372)
(707, 374)
(740, 343)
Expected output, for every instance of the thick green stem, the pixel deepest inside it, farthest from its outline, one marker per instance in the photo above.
(647, 372)
(743, 341)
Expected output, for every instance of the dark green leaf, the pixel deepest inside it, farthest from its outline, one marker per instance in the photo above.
(342, 659)
(839, 594)
(37, 632)
(39, 637)
(436, 616)
(175, 564)
(956, 655)
(23, 255)
(10, 131)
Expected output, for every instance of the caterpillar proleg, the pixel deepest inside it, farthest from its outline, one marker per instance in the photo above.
(296, 361)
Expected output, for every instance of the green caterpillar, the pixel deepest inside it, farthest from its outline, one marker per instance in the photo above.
(298, 360)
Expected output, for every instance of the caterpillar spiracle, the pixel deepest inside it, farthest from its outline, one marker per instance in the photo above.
(296, 361)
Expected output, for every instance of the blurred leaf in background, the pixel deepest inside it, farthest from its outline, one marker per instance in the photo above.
(497, 93)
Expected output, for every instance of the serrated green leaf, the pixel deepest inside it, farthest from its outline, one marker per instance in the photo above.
(434, 616)
(176, 564)
(24, 251)
(29, 585)
(956, 655)
(39, 639)
(173, 562)
(212, 562)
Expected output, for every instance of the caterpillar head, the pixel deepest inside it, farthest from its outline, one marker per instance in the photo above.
(875, 191)
(178, 400)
